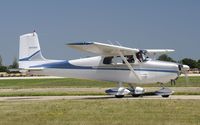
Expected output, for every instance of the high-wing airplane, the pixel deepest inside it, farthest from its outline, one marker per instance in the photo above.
(113, 63)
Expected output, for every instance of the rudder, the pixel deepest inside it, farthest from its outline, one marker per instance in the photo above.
(29, 48)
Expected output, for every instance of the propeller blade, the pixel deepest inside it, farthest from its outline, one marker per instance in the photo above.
(184, 70)
(186, 77)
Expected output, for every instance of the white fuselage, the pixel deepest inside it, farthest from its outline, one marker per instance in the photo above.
(151, 71)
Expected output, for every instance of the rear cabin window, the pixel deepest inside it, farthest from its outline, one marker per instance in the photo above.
(118, 60)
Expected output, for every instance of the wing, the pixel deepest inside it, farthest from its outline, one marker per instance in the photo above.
(103, 49)
(159, 51)
(154, 53)
(113, 50)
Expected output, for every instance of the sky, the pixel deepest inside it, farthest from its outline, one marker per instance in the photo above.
(153, 24)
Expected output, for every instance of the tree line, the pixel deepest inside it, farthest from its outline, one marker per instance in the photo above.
(4, 68)
(187, 61)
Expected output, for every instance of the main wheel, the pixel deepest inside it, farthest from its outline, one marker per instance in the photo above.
(136, 95)
(165, 96)
(119, 96)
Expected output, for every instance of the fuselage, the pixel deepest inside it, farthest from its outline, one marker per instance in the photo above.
(150, 71)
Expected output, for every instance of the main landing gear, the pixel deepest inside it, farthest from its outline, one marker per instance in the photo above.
(120, 91)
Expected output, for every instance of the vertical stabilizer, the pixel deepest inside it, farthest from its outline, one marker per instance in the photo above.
(29, 48)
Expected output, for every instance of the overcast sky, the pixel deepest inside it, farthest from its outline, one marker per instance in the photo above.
(173, 24)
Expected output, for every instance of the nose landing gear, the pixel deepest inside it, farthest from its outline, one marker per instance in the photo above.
(164, 92)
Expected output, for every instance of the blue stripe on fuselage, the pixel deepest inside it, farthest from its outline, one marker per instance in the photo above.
(61, 65)
(67, 65)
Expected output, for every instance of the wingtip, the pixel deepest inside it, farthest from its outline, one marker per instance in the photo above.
(170, 50)
(80, 43)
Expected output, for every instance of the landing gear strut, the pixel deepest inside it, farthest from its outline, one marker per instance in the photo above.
(136, 91)
(120, 91)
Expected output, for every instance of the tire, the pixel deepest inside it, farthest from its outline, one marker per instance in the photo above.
(165, 96)
(119, 96)
(136, 95)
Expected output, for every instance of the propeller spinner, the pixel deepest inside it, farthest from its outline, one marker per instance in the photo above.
(184, 69)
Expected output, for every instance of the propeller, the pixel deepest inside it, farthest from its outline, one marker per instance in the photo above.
(184, 69)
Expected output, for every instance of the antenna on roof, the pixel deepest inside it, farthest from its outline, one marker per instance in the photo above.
(118, 43)
(33, 32)
(110, 42)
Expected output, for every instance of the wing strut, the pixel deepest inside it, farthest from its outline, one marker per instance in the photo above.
(129, 66)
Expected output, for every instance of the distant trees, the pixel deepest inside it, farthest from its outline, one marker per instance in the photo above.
(165, 57)
(14, 64)
(1, 61)
(187, 61)
(190, 62)
(2, 67)
(5, 68)
(198, 63)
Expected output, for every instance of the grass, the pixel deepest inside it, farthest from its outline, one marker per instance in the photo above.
(53, 83)
(94, 112)
(187, 93)
(194, 81)
(16, 85)
(51, 93)
(77, 83)
(101, 112)
(73, 93)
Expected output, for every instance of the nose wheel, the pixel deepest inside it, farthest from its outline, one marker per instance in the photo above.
(165, 96)
(164, 92)
(119, 96)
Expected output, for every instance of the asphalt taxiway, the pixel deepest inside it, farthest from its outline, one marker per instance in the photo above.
(44, 98)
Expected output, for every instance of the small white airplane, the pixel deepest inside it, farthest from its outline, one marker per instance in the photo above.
(113, 63)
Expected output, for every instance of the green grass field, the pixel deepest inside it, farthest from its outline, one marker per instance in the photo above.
(77, 83)
(92, 111)
(27, 87)
(100, 112)
(53, 83)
